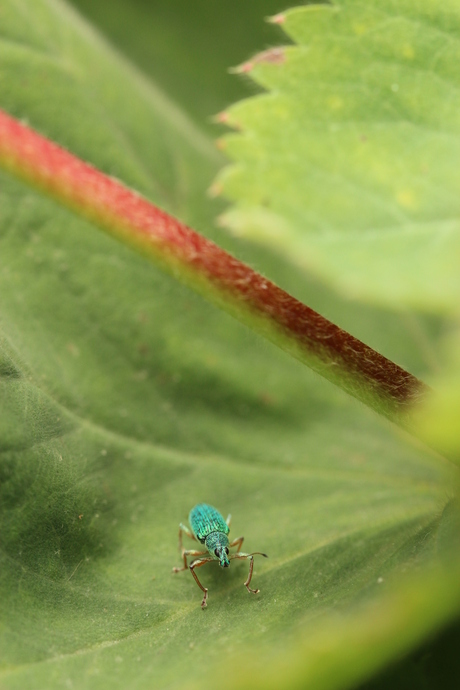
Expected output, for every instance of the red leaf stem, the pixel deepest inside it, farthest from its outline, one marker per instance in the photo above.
(250, 297)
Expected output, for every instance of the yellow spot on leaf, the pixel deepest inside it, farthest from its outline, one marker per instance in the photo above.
(408, 52)
(359, 28)
(406, 199)
(335, 102)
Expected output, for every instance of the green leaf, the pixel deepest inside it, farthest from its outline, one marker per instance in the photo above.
(84, 95)
(125, 399)
(348, 165)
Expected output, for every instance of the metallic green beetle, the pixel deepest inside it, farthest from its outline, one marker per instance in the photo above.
(210, 528)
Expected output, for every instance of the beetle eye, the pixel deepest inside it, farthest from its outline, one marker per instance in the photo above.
(226, 551)
(217, 552)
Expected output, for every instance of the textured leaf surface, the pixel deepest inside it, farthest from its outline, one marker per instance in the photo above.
(125, 399)
(349, 164)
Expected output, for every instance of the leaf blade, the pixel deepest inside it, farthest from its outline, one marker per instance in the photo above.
(357, 151)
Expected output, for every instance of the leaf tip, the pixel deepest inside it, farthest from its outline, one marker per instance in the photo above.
(273, 56)
(221, 118)
(215, 190)
(224, 118)
(244, 68)
(223, 220)
(276, 19)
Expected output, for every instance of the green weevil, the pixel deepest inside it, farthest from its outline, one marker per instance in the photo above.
(209, 528)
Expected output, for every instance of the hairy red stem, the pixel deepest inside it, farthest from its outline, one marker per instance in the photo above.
(253, 299)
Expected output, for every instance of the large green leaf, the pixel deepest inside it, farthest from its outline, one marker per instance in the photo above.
(349, 164)
(125, 399)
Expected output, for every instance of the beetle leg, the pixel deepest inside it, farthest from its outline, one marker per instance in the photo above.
(228, 520)
(249, 556)
(237, 542)
(185, 553)
(189, 533)
(197, 564)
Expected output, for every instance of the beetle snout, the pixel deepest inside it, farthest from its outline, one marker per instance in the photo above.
(223, 560)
